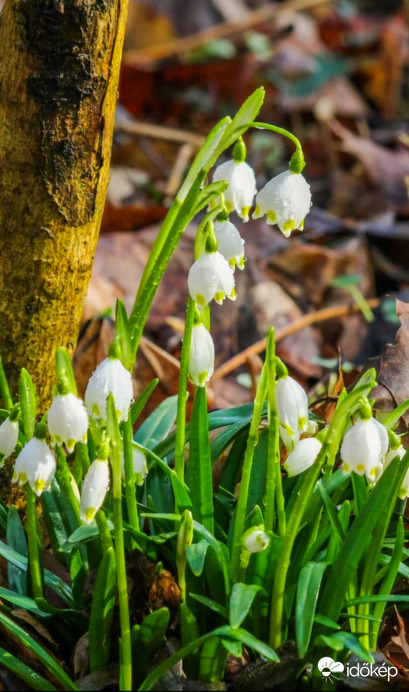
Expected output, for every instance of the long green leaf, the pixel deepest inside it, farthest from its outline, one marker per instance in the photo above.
(16, 539)
(4, 388)
(28, 403)
(140, 403)
(358, 539)
(309, 584)
(43, 655)
(102, 612)
(241, 600)
(123, 333)
(200, 465)
(158, 425)
(24, 672)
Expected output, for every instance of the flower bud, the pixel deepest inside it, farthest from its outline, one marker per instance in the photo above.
(240, 193)
(110, 376)
(292, 410)
(8, 437)
(230, 243)
(201, 359)
(94, 489)
(303, 456)
(67, 421)
(211, 277)
(255, 540)
(286, 200)
(140, 467)
(36, 465)
(363, 449)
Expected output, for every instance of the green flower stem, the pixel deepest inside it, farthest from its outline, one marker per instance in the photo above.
(63, 475)
(4, 388)
(297, 162)
(182, 390)
(274, 488)
(104, 532)
(162, 250)
(36, 572)
(328, 451)
(115, 457)
(130, 492)
(241, 508)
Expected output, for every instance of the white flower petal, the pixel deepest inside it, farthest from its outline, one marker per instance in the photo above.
(110, 376)
(255, 540)
(67, 421)
(303, 456)
(140, 467)
(231, 244)
(242, 186)
(286, 200)
(292, 410)
(361, 450)
(211, 277)
(36, 465)
(94, 489)
(8, 437)
(201, 359)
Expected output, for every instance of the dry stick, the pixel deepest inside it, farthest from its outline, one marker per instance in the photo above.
(296, 326)
(188, 43)
(139, 129)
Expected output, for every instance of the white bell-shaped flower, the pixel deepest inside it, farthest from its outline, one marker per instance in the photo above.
(201, 359)
(67, 421)
(8, 437)
(286, 200)
(140, 467)
(240, 193)
(255, 540)
(210, 277)
(363, 450)
(231, 244)
(94, 489)
(399, 452)
(303, 456)
(292, 410)
(110, 376)
(36, 465)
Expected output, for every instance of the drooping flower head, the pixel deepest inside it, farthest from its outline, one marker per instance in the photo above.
(94, 489)
(67, 419)
(240, 192)
(230, 243)
(255, 540)
(201, 359)
(390, 456)
(292, 410)
(110, 376)
(36, 465)
(364, 448)
(211, 277)
(285, 200)
(303, 456)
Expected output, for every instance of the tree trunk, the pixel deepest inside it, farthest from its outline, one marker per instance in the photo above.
(59, 68)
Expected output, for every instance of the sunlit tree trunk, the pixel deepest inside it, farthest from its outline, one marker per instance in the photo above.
(59, 65)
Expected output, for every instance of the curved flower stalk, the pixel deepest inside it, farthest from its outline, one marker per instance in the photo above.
(363, 449)
(94, 489)
(67, 421)
(230, 243)
(201, 360)
(285, 200)
(211, 277)
(303, 456)
(292, 410)
(35, 465)
(110, 376)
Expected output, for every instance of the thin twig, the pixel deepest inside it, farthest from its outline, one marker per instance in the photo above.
(288, 330)
(138, 128)
(218, 31)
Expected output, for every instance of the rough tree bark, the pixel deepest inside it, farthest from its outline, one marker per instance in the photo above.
(59, 67)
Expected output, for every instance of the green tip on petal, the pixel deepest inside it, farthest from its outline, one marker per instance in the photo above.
(39, 486)
(219, 296)
(95, 410)
(289, 225)
(245, 212)
(202, 379)
(89, 513)
(200, 300)
(271, 216)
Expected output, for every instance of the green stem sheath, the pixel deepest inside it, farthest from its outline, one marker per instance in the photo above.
(130, 493)
(33, 545)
